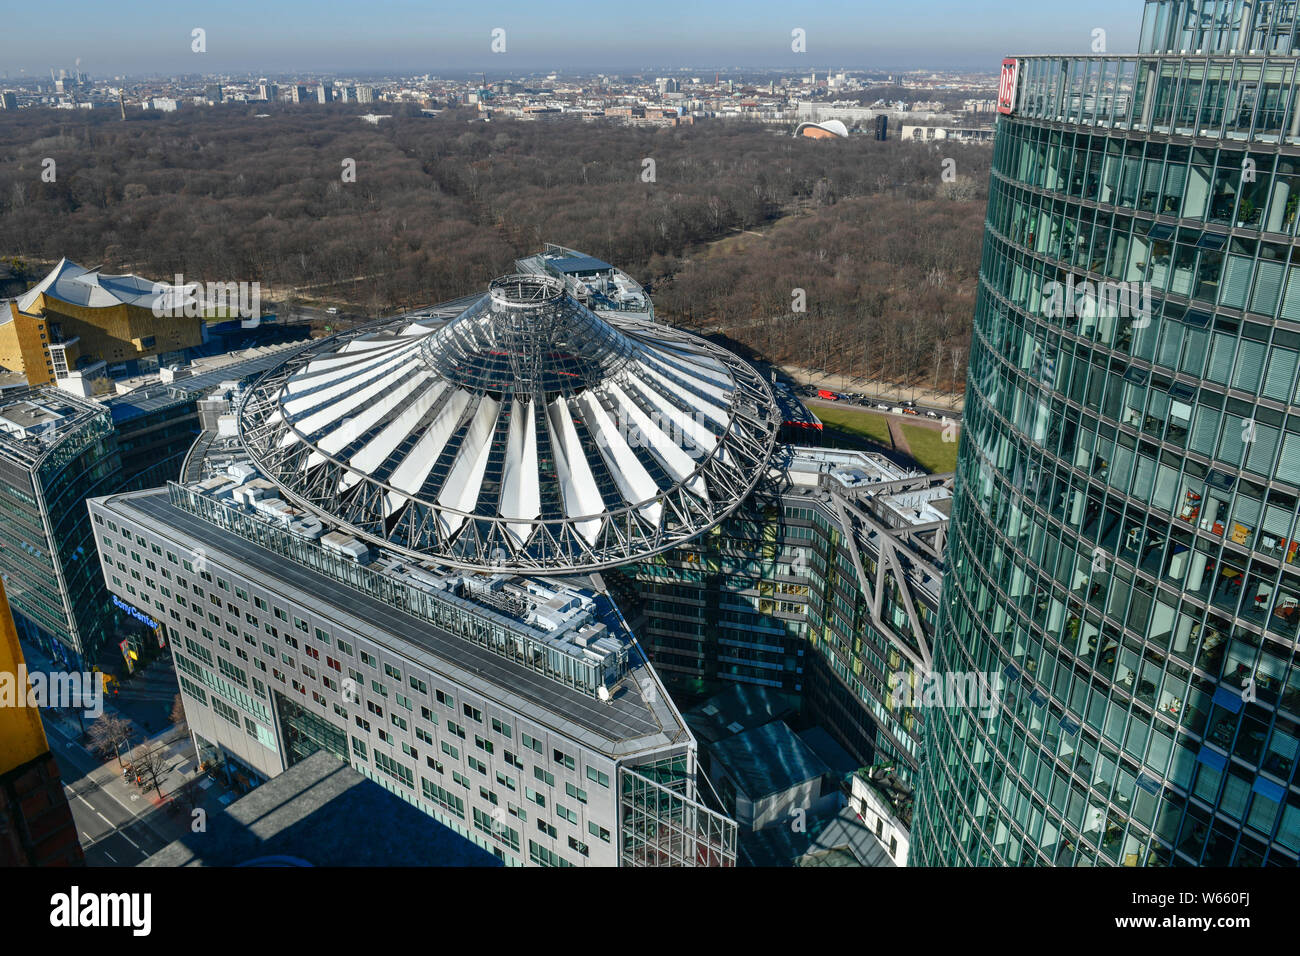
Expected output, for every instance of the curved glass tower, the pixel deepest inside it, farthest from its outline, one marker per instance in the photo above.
(1124, 552)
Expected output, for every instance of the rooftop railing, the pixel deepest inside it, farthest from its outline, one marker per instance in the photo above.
(465, 619)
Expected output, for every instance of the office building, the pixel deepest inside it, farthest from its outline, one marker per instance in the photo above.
(370, 514)
(824, 586)
(55, 450)
(1123, 544)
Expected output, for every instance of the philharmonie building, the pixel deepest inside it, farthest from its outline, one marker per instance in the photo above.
(490, 553)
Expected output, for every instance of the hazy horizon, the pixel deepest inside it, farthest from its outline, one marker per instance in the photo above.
(134, 38)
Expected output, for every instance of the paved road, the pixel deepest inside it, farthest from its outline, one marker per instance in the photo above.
(117, 824)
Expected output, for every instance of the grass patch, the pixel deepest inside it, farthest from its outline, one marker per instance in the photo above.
(931, 452)
(864, 424)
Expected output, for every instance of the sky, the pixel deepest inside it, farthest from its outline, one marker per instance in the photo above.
(401, 36)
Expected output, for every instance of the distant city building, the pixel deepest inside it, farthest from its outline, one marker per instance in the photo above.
(960, 134)
(831, 129)
(215, 93)
(365, 94)
(8, 100)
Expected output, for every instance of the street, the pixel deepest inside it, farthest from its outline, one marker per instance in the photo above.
(119, 823)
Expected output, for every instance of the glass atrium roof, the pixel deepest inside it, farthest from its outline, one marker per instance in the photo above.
(527, 433)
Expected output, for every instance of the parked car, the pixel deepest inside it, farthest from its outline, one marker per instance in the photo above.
(827, 395)
(910, 411)
(931, 414)
(882, 407)
(332, 311)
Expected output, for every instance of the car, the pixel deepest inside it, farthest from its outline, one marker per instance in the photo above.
(882, 407)
(910, 411)
(332, 311)
(931, 414)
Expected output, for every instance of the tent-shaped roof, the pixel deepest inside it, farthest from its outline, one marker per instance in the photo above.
(77, 285)
(526, 433)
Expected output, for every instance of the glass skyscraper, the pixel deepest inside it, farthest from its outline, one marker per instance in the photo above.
(1123, 553)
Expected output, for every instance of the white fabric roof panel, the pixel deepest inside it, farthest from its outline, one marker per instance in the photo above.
(460, 490)
(520, 494)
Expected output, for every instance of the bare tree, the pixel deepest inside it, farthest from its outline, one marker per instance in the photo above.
(149, 762)
(109, 734)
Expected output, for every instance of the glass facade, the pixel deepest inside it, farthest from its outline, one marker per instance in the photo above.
(772, 597)
(1123, 548)
(663, 826)
(47, 546)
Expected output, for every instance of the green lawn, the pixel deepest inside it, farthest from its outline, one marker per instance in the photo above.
(864, 424)
(930, 450)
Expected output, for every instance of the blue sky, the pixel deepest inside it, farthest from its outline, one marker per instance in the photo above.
(131, 36)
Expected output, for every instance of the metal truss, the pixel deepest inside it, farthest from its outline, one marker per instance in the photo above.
(425, 529)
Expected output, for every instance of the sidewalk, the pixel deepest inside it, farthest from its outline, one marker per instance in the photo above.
(165, 816)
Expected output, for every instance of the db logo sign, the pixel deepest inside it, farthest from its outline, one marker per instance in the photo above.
(1007, 88)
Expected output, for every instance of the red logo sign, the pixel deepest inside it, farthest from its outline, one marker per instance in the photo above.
(1007, 88)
